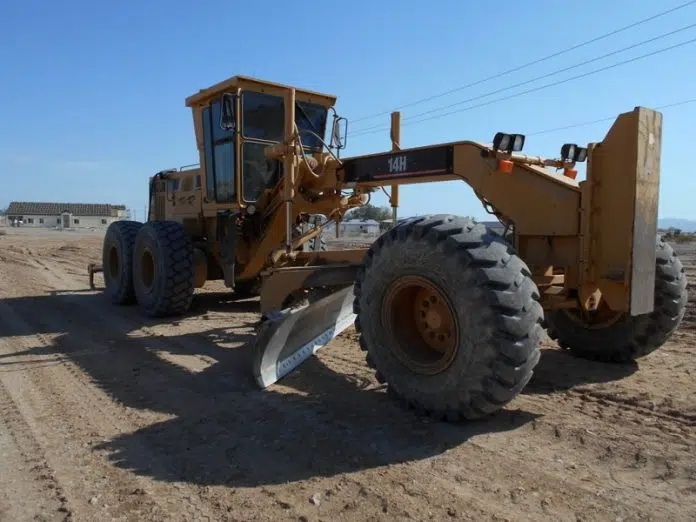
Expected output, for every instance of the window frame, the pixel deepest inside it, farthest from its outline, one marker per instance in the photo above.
(213, 137)
(321, 131)
(256, 140)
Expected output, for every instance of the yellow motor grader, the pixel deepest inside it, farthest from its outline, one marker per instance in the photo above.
(449, 312)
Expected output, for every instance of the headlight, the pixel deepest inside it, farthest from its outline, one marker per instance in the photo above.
(571, 152)
(508, 142)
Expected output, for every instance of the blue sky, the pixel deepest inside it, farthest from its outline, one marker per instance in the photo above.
(92, 96)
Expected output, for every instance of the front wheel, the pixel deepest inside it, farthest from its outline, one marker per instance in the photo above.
(619, 337)
(449, 316)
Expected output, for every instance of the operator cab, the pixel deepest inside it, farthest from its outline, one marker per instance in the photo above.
(236, 120)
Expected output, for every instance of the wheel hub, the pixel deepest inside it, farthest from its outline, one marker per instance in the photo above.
(147, 268)
(114, 265)
(600, 318)
(420, 324)
(433, 320)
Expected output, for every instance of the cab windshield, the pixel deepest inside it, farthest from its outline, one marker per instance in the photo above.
(263, 119)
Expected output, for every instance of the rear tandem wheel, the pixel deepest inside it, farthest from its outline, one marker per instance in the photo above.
(617, 337)
(163, 269)
(449, 316)
(117, 261)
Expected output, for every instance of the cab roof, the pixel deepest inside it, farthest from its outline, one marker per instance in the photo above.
(247, 82)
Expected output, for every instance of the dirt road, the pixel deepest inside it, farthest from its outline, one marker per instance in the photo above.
(107, 416)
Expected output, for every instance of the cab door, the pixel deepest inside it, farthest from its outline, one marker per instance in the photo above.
(262, 124)
(220, 158)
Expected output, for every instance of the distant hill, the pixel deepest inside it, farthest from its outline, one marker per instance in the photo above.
(686, 225)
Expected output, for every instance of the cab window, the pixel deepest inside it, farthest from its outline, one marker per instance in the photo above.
(311, 117)
(171, 185)
(260, 173)
(263, 116)
(219, 156)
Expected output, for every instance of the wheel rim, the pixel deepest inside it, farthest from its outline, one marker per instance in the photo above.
(114, 264)
(602, 317)
(421, 324)
(147, 268)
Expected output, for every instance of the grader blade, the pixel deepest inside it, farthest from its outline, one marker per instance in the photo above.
(291, 336)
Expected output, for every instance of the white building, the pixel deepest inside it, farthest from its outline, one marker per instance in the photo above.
(357, 228)
(63, 215)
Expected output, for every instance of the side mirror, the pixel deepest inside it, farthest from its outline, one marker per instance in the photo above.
(227, 106)
(339, 132)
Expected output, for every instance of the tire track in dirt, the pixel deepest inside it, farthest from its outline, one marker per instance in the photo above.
(61, 395)
(200, 400)
(74, 397)
(89, 325)
(634, 404)
(56, 506)
(59, 278)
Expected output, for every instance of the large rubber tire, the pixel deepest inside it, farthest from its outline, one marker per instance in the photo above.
(117, 261)
(629, 338)
(163, 269)
(496, 311)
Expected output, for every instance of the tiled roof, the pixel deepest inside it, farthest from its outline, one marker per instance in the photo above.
(30, 208)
